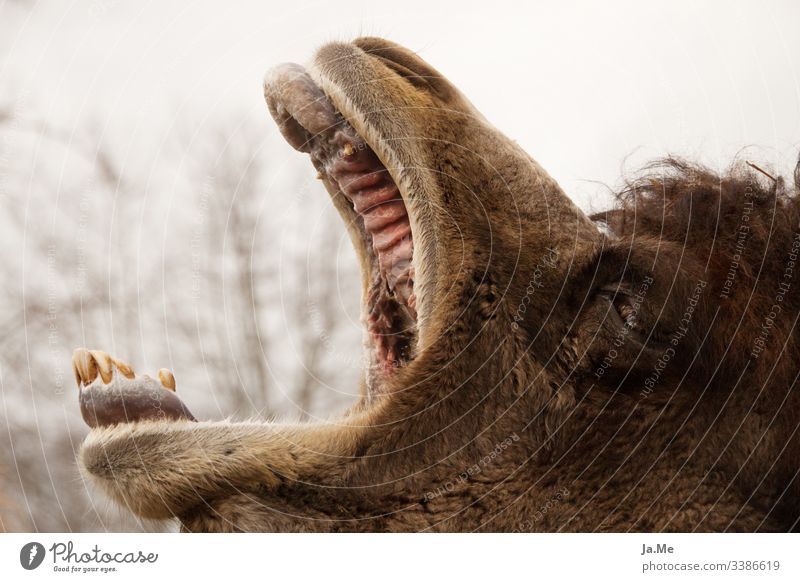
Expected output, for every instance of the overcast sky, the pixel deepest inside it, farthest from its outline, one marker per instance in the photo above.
(586, 88)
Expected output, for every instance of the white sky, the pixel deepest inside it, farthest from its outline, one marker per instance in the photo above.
(586, 88)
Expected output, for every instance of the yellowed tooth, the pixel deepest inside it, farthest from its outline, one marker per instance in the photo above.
(348, 150)
(84, 366)
(167, 379)
(124, 368)
(103, 364)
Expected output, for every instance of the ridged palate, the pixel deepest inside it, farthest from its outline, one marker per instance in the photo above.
(311, 124)
(375, 197)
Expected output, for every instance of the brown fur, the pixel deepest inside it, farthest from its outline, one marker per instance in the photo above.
(736, 231)
(502, 422)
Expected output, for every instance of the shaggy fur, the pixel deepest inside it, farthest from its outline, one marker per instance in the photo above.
(567, 378)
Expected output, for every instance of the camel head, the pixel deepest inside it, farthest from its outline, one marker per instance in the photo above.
(637, 366)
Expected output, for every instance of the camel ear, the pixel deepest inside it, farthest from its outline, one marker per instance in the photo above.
(609, 223)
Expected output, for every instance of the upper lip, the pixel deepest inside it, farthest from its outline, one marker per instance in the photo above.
(374, 210)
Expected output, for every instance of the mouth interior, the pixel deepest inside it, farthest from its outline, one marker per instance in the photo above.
(351, 169)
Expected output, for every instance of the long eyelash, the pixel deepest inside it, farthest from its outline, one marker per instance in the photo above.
(628, 315)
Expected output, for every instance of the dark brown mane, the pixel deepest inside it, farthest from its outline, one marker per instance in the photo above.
(741, 227)
(687, 203)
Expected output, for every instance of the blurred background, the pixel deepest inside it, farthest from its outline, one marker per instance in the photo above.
(149, 208)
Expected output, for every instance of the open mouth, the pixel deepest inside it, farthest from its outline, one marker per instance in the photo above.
(370, 203)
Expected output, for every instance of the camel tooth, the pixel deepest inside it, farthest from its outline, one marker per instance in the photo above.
(124, 368)
(167, 379)
(104, 365)
(84, 367)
